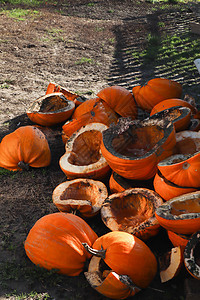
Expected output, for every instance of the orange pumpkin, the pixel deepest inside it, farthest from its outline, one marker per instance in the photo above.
(132, 211)
(55, 242)
(124, 254)
(120, 100)
(187, 142)
(155, 91)
(50, 109)
(191, 255)
(178, 239)
(83, 157)
(133, 148)
(84, 196)
(180, 214)
(26, 146)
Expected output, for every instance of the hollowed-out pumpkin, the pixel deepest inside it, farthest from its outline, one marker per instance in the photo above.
(132, 211)
(165, 104)
(133, 148)
(187, 142)
(155, 91)
(119, 184)
(192, 255)
(125, 254)
(179, 116)
(26, 146)
(83, 157)
(50, 109)
(178, 239)
(56, 88)
(99, 112)
(168, 190)
(180, 214)
(55, 243)
(182, 169)
(120, 100)
(83, 196)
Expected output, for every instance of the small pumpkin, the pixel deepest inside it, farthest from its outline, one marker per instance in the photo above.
(51, 109)
(26, 146)
(120, 100)
(180, 214)
(84, 196)
(155, 91)
(133, 148)
(83, 157)
(191, 255)
(124, 254)
(55, 242)
(132, 211)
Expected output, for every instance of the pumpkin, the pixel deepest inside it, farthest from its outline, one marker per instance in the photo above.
(170, 264)
(99, 112)
(126, 254)
(168, 190)
(84, 196)
(194, 124)
(182, 169)
(83, 157)
(187, 142)
(120, 100)
(180, 214)
(133, 148)
(155, 91)
(50, 109)
(55, 242)
(169, 103)
(132, 211)
(191, 255)
(178, 239)
(108, 282)
(26, 146)
(55, 88)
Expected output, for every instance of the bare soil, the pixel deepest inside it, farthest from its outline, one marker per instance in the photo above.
(83, 46)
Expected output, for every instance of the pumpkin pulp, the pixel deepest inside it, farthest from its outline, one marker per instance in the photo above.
(185, 207)
(85, 149)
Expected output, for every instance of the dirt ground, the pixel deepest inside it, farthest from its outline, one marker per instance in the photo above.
(83, 46)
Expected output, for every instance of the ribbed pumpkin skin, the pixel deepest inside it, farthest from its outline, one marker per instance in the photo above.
(125, 254)
(120, 100)
(155, 91)
(26, 144)
(55, 242)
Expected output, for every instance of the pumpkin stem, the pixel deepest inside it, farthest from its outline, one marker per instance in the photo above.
(22, 165)
(127, 281)
(99, 253)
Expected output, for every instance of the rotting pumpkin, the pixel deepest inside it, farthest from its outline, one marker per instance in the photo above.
(55, 243)
(191, 255)
(26, 146)
(132, 211)
(123, 254)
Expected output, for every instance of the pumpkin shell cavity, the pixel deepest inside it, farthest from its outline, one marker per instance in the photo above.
(132, 211)
(187, 142)
(192, 255)
(84, 196)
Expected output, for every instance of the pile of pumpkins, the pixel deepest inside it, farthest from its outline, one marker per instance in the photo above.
(106, 141)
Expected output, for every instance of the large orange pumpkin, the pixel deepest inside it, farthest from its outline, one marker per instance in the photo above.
(155, 91)
(55, 242)
(26, 146)
(120, 100)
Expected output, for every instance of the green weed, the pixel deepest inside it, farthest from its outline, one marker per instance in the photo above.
(19, 13)
(84, 60)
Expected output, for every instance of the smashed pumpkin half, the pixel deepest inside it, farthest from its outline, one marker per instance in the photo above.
(132, 211)
(83, 196)
(126, 271)
(50, 109)
(133, 148)
(83, 157)
(180, 214)
(192, 255)
(26, 146)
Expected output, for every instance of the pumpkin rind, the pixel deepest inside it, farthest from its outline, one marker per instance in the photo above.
(180, 214)
(27, 146)
(178, 239)
(155, 91)
(50, 109)
(85, 196)
(55, 242)
(149, 141)
(132, 211)
(191, 255)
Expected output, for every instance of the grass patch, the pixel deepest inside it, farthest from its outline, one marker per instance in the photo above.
(84, 60)
(19, 13)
